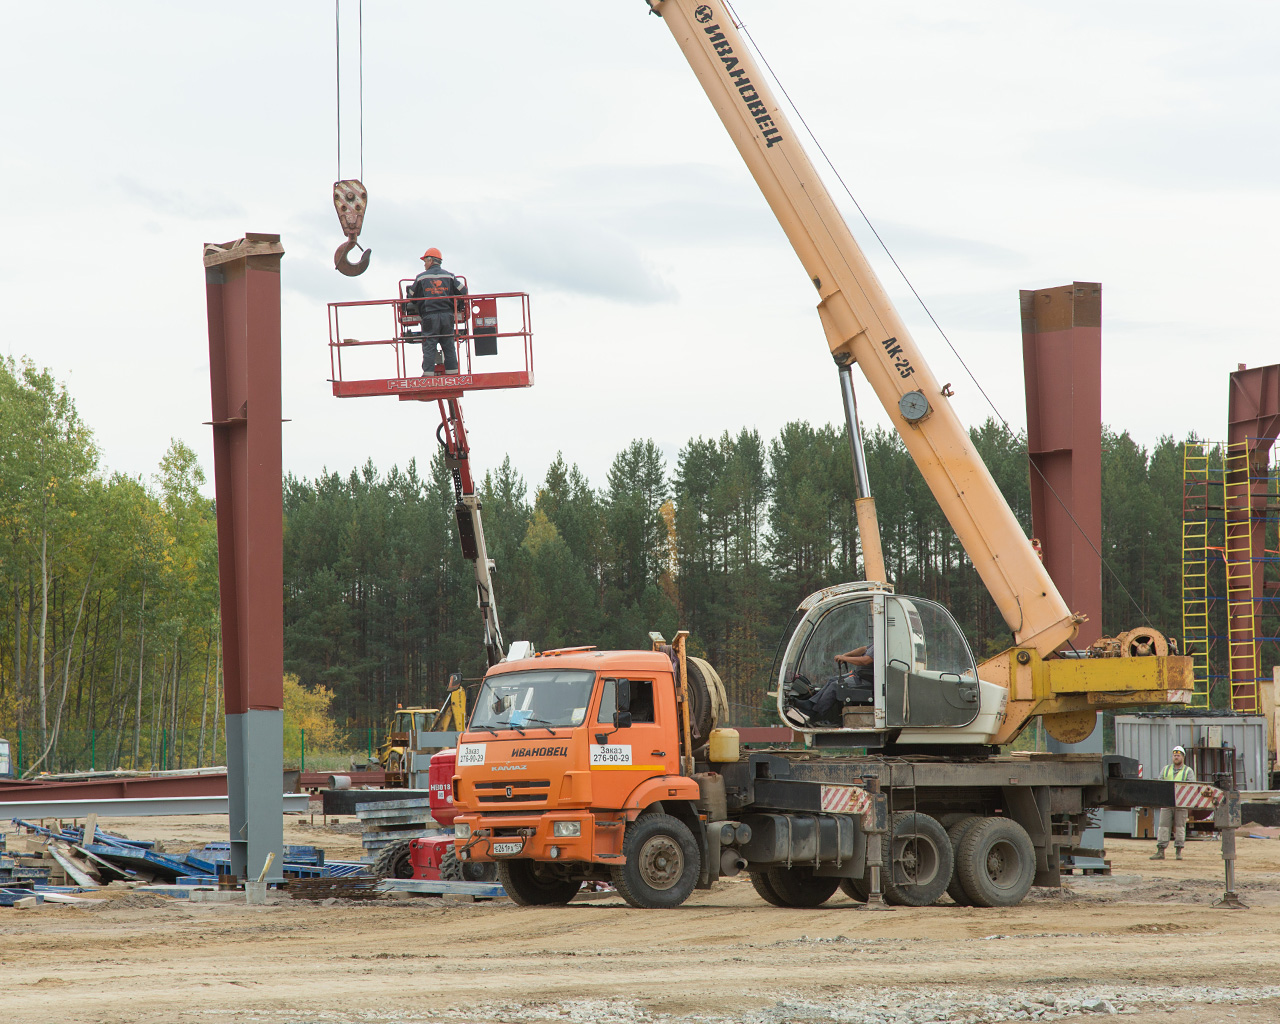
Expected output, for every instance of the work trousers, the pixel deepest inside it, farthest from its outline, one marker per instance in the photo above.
(437, 332)
(1177, 818)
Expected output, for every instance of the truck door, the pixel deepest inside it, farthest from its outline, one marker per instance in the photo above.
(639, 741)
(930, 676)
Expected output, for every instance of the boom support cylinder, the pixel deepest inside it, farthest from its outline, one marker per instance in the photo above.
(865, 503)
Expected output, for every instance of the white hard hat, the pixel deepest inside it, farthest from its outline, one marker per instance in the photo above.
(1180, 750)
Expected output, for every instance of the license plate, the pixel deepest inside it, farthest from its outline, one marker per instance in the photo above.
(506, 849)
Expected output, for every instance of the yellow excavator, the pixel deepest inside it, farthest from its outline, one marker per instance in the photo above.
(406, 723)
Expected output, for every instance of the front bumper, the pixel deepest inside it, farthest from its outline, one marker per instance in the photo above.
(532, 837)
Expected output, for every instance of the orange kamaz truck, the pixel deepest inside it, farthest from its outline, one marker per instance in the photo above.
(588, 765)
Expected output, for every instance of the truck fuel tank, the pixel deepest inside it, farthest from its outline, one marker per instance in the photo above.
(829, 840)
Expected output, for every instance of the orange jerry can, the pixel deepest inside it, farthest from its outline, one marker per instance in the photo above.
(484, 325)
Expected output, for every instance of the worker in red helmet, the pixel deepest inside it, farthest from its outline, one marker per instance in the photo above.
(435, 289)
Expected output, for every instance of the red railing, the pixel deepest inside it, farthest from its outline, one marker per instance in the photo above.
(374, 347)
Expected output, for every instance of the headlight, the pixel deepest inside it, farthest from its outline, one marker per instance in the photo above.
(462, 830)
(567, 828)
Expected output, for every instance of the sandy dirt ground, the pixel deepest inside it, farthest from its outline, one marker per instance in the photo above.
(1144, 944)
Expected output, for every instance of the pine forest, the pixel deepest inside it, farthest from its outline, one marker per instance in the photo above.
(109, 639)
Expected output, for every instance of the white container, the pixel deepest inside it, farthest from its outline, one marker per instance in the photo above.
(724, 745)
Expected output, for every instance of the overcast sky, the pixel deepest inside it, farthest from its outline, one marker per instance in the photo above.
(565, 149)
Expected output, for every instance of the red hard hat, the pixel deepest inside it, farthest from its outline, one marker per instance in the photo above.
(432, 254)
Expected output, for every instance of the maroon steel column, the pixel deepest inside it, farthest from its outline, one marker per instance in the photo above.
(1253, 421)
(1062, 369)
(242, 286)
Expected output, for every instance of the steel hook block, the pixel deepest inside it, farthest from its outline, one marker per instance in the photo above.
(344, 266)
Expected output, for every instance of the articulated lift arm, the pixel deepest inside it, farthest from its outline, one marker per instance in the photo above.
(452, 435)
(862, 326)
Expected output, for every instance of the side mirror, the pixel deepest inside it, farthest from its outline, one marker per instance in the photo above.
(622, 719)
(622, 695)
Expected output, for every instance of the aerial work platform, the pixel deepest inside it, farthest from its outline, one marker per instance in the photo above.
(374, 347)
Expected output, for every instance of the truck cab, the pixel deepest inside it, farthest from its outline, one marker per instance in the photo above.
(562, 752)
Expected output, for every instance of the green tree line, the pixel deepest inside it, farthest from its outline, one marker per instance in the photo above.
(109, 640)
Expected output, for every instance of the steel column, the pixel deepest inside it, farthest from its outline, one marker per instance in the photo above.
(1253, 421)
(1062, 371)
(242, 286)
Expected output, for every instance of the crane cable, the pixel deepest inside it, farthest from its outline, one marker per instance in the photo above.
(923, 305)
(337, 64)
(350, 197)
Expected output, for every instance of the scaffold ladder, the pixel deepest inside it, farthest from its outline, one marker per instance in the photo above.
(1195, 566)
(1242, 633)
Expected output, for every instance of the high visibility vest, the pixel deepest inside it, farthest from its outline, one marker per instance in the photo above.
(1171, 774)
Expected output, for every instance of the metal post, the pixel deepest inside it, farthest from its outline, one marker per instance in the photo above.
(93, 750)
(242, 286)
(864, 504)
(1062, 373)
(302, 748)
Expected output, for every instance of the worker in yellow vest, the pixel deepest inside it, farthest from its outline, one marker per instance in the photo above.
(1178, 771)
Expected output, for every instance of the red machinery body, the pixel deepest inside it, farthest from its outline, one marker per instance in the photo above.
(426, 854)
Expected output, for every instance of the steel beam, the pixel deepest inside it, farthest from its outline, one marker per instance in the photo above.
(242, 288)
(1062, 371)
(1253, 421)
(137, 807)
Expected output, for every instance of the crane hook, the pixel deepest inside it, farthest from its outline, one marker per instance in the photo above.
(344, 266)
(350, 199)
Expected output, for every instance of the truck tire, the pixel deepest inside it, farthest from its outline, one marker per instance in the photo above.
(996, 863)
(760, 879)
(920, 860)
(800, 887)
(857, 889)
(393, 861)
(454, 870)
(662, 864)
(531, 883)
(956, 831)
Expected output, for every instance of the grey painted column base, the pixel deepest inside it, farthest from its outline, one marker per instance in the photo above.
(255, 756)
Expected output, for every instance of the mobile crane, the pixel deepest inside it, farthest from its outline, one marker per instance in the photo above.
(585, 765)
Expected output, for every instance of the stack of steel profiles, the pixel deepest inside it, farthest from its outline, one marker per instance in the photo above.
(344, 887)
(393, 821)
(299, 861)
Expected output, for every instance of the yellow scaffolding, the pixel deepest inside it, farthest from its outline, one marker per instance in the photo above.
(1242, 644)
(1195, 566)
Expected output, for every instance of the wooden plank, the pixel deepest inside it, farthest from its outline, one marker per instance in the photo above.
(74, 872)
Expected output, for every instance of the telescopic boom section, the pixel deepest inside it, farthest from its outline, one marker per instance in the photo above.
(452, 435)
(862, 326)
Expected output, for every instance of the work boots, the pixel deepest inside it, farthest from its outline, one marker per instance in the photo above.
(1158, 855)
(1177, 853)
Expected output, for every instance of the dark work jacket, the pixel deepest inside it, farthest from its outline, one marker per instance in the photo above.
(434, 286)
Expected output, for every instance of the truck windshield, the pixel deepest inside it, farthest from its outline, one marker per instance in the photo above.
(540, 698)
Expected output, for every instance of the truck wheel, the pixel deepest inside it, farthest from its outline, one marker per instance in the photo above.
(956, 831)
(996, 863)
(454, 870)
(857, 889)
(760, 879)
(920, 860)
(800, 887)
(533, 884)
(662, 863)
(393, 861)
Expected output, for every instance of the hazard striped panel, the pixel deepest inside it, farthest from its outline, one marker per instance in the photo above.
(845, 799)
(1196, 795)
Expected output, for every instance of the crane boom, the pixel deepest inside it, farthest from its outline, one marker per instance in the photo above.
(862, 325)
